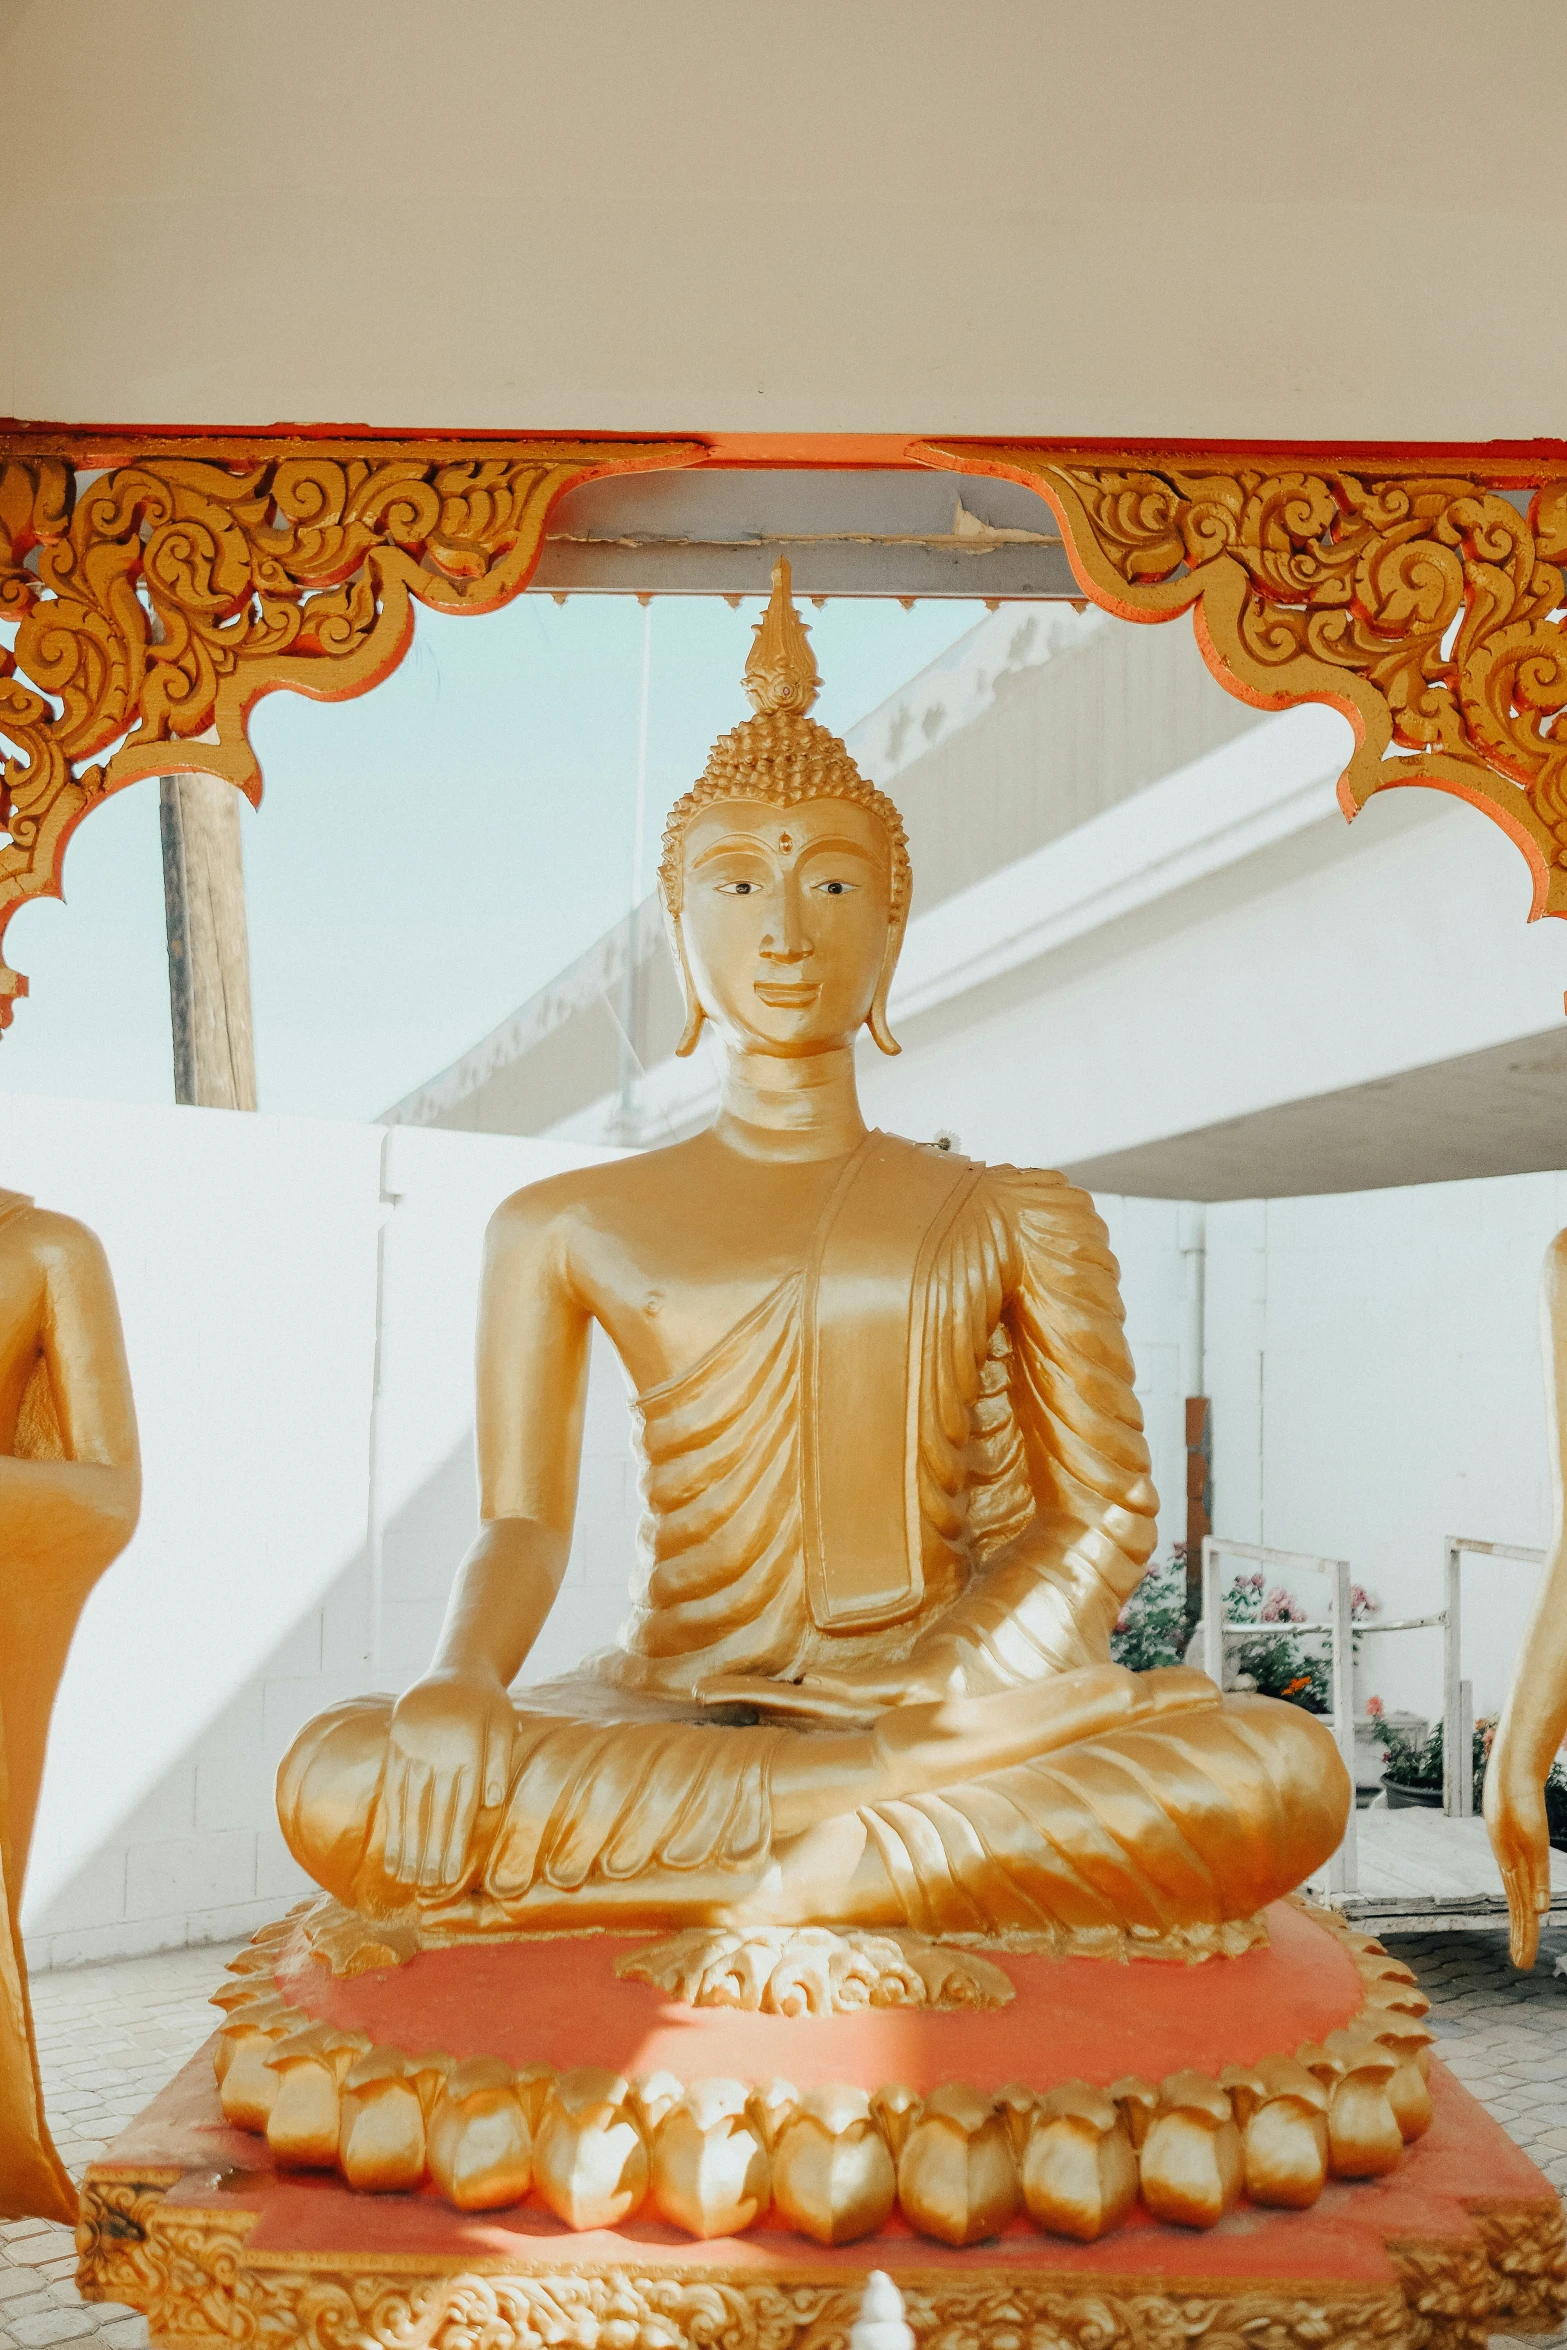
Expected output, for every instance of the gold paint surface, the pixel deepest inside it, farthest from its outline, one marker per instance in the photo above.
(70, 1490)
(1425, 607)
(1077, 2154)
(188, 2268)
(1533, 1725)
(162, 602)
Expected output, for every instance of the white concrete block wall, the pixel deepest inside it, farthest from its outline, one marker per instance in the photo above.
(265, 1580)
(245, 1266)
(438, 1202)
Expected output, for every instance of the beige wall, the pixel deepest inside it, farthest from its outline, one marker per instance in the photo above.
(1007, 216)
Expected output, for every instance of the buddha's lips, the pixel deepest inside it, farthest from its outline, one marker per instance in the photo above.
(784, 996)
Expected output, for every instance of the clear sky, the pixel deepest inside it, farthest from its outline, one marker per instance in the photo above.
(426, 856)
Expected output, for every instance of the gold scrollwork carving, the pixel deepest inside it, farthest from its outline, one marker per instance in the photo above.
(203, 2286)
(158, 604)
(1426, 607)
(112, 2259)
(1526, 2245)
(189, 2270)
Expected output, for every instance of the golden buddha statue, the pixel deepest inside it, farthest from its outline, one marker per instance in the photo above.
(70, 1489)
(896, 1486)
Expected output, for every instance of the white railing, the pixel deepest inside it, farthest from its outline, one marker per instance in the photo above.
(1458, 1711)
(1343, 1875)
(1342, 1632)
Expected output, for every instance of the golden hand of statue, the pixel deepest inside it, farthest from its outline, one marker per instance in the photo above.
(449, 1752)
(1516, 1822)
(851, 1698)
(862, 1694)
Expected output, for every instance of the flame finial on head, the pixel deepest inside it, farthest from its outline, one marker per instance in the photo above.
(781, 672)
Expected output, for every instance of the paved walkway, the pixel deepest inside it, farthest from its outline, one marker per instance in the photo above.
(112, 2035)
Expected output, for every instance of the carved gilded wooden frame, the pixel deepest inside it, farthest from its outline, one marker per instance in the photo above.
(160, 599)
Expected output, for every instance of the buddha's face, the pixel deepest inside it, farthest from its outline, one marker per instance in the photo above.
(786, 920)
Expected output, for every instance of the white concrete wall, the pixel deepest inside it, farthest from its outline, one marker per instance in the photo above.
(265, 1580)
(1004, 218)
(1104, 969)
(1374, 1364)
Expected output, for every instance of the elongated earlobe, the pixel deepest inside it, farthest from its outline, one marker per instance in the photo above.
(695, 1016)
(876, 1022)
(876, 1018)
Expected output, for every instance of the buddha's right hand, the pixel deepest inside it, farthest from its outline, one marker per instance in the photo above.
(448, 1753)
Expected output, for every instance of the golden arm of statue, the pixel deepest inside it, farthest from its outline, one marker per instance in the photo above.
(1020, 1622)
(1534, 1720)
(451, 1732)
(70, 1489)
(67, 1513)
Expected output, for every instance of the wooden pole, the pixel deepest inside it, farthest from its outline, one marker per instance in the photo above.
(209, 947)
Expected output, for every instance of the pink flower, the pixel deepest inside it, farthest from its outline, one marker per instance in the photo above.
(1375, 1708)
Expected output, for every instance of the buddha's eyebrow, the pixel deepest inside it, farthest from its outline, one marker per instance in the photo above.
(749, 842)
(727, 848)
(839, 848)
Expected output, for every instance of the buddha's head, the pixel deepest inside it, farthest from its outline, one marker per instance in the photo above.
(785, 875)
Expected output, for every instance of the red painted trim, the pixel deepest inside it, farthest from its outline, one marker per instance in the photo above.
(1512, 464)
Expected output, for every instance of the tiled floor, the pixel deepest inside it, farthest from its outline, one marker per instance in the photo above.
(111, 2036)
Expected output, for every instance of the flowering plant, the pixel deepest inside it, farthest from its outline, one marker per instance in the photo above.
(1152, 1629)
(1291, 1665)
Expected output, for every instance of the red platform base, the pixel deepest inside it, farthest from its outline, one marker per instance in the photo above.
(188, 2220)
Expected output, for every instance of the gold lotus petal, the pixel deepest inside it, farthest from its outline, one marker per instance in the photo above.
(480, 2149)
(1138, 2101)
(1286, 2149)
(1364, 2137)
(247, 2084)
(771, 2108)
(590, 2161)
(957, 2177)
(381, 2133)
(710, 2173)
(1079, 2173)
(304, 2123)
(1191, 2166)
(833, 2177)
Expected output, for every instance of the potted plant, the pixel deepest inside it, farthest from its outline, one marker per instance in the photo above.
(1412, 1776)
(1412, 1770)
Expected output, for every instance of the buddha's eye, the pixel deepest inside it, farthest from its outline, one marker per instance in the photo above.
(835, 889)
(736, 889)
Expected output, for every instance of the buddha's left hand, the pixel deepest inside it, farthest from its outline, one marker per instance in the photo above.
(850, 1698)
(856, 1696)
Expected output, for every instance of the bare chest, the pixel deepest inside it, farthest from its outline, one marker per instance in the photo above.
(667, 1279)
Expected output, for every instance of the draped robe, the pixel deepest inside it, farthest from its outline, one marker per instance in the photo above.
(1029, 1520)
